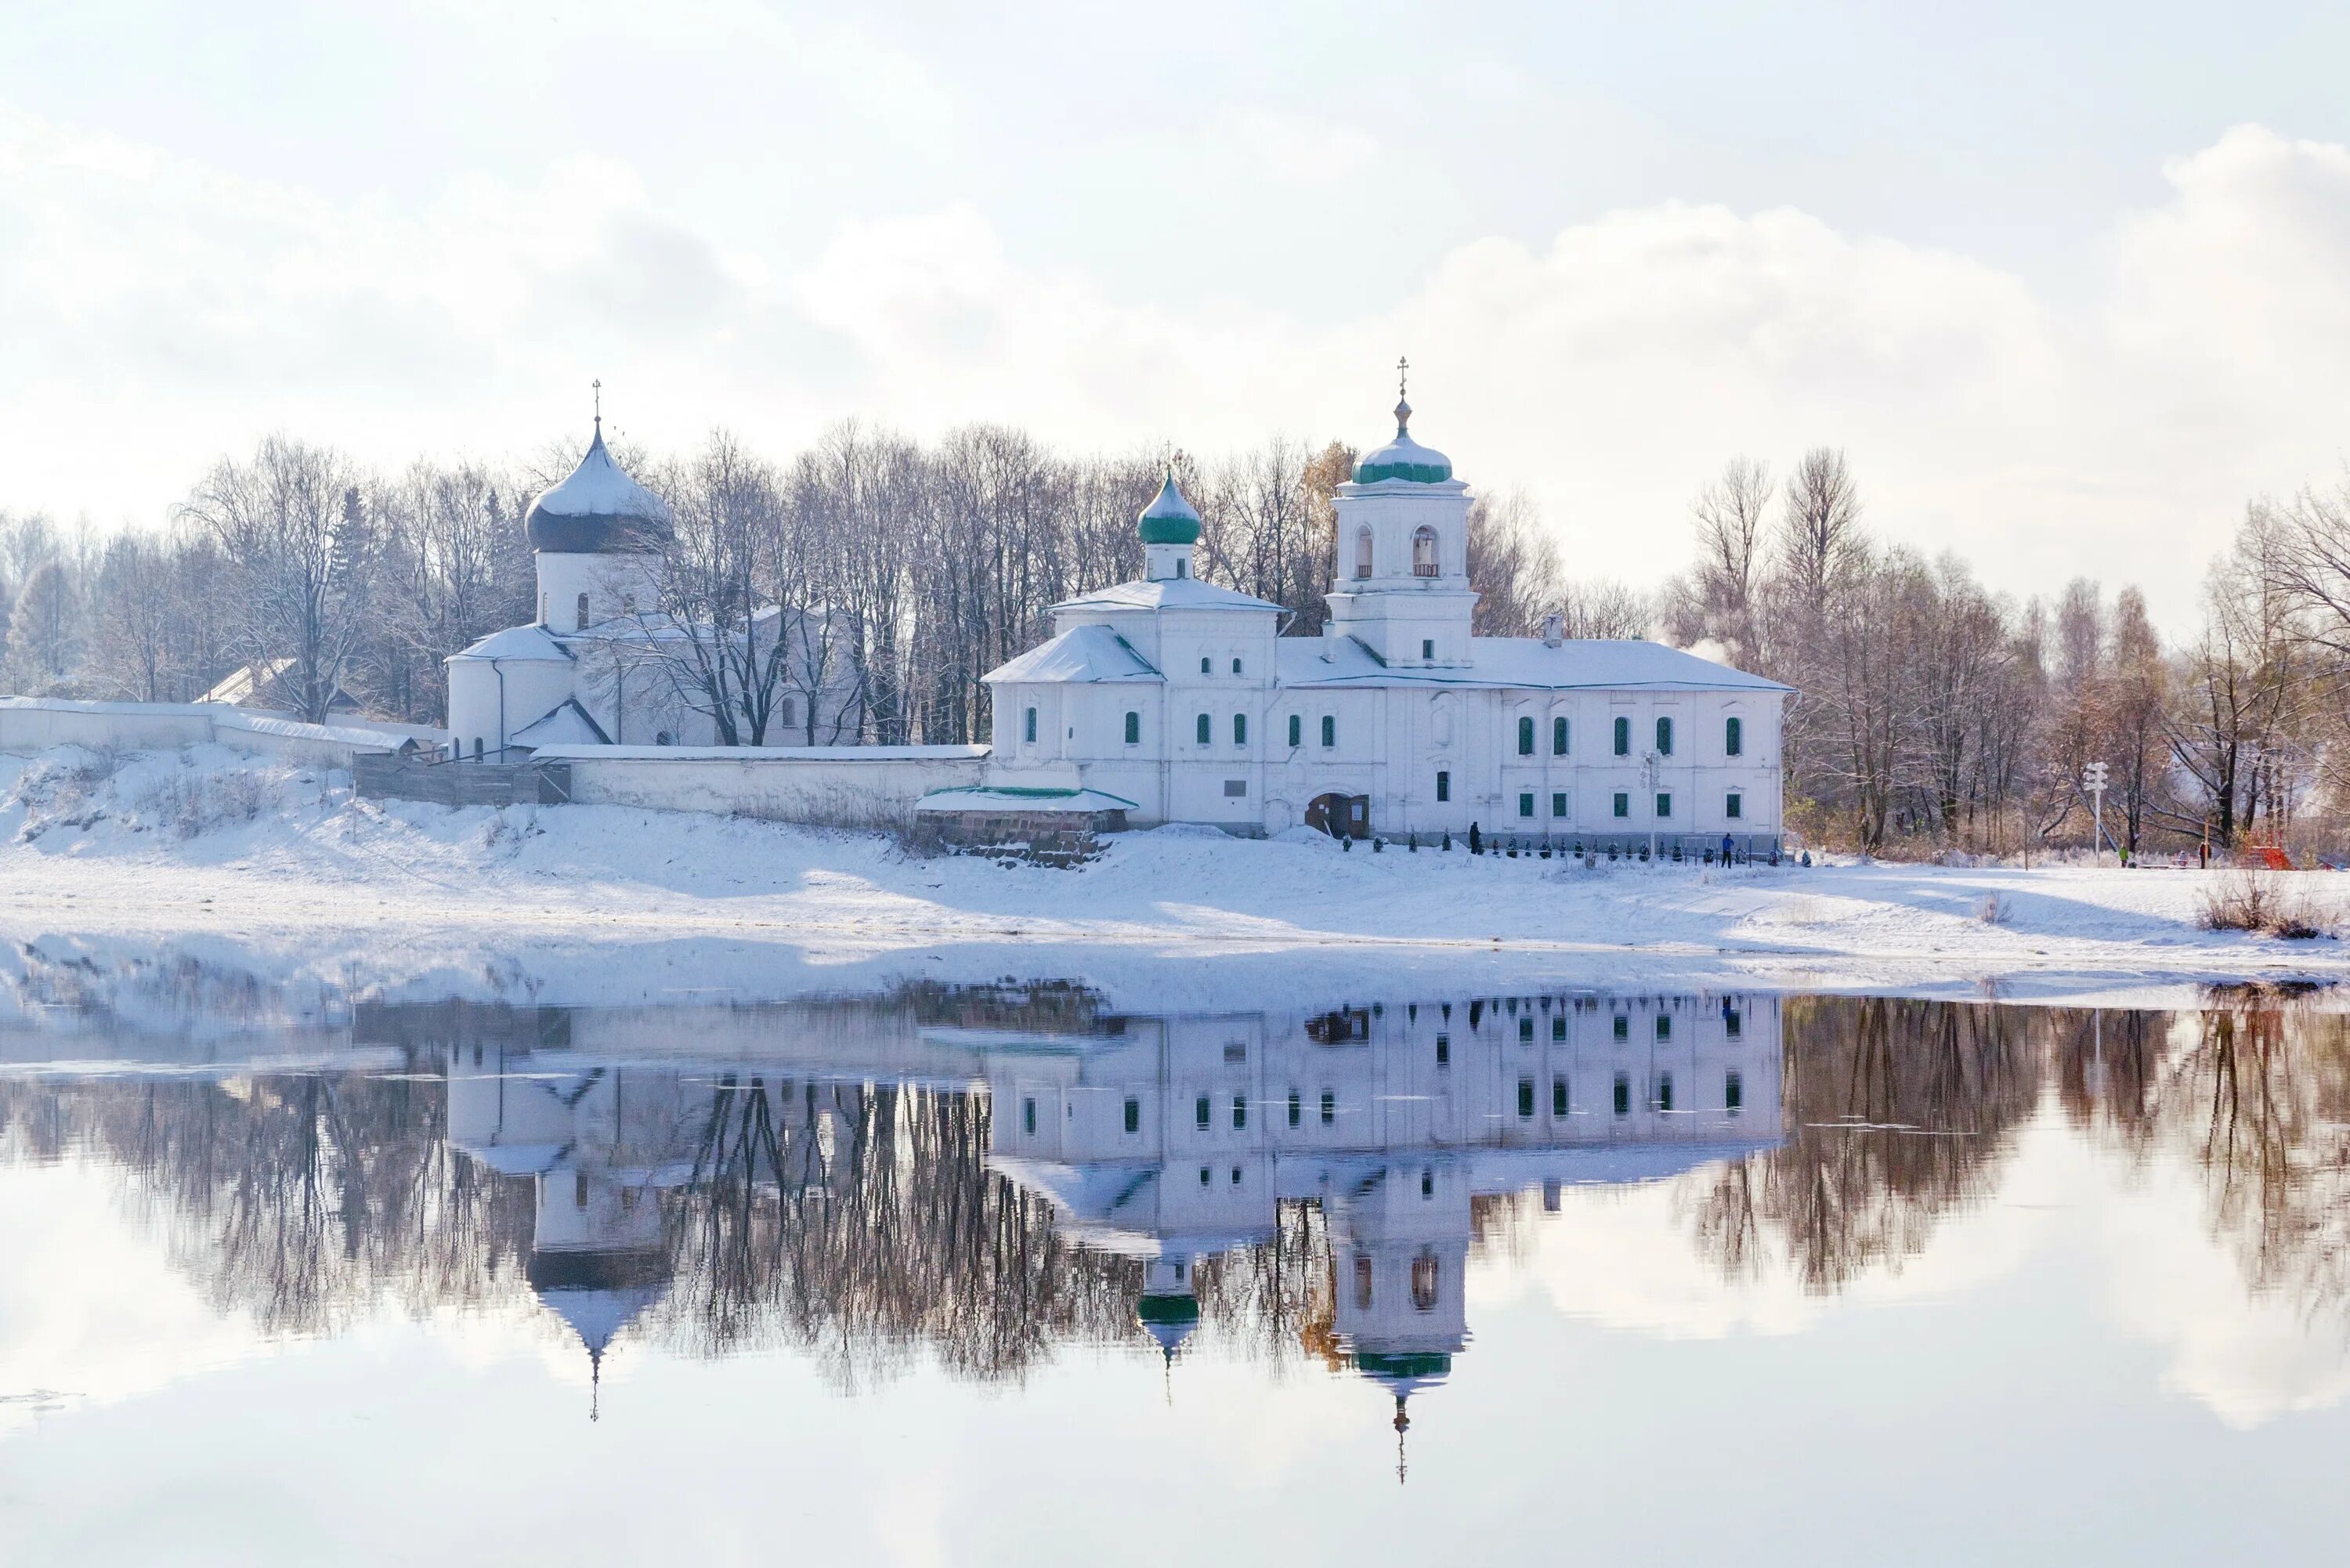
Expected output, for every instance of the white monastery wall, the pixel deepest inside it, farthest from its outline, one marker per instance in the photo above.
(29, 724)
(835, 786)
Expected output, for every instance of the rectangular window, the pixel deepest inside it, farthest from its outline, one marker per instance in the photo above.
(1206, 730)
(1028, 1117)
(1623, 1093)
(1527, 803)
(1236, 789)
(1444, 786)
(1028, 727)
(1329, 1107)
(1558, 1027)
(1525, 1099)
(1733, 737)
(1134, 729)
(1558, 803)
(1240, 729)
(1329, 730)
(1623, 1026)
(1526, 1030)
(1427, 649)
(1558, 737)
(1735, 806)
(1623, 736)
(1133, 1114)
(1664, 1090)
(1296, 1106)
(1664, 737)
(1296, 731)
(1733, 1023)
(1664, 805)
(1623, 804)
(1444, 1050)
(1664, 1026)
(1733, 1092)
(1525, 737)
(1558, 1096)
(1200, 1113)
(1239, 1112)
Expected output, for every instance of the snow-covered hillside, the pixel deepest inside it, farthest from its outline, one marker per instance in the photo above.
(208, 848)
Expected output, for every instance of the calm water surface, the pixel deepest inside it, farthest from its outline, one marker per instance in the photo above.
(1005, 1275)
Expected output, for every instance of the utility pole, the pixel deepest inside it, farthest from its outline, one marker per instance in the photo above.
(1652, 770)
(2093, 779)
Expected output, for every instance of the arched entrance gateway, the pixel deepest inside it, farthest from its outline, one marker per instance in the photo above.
(1340, 815)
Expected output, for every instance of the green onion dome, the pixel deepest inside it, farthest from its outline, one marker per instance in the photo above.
(1170, 519)
(1404, 458)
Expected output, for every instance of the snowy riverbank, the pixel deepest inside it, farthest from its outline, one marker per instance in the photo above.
(205, 851)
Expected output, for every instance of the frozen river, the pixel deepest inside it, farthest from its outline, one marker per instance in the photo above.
(1006, 1274)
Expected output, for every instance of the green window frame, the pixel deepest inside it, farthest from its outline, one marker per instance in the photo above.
(1133, 1114)
(1664, 736)
(1558, 803)
(1133, 729)
(1028, 727)
(1733, 737)
(1623, 736)
(1559, 1104)
(1240, 729)
(1525, 737)
(1733, 1092)
(1623, 1093)
(1558, 737)
(1444, 785)
(1664, 805)
(1207, 731)
(1525, 1099)
(1329, 730)
(1623, 804)
(1526, 802)
(1735, 805)
(1296, 731)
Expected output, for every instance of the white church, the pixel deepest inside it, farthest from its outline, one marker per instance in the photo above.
(604, 664)
(1179, 700)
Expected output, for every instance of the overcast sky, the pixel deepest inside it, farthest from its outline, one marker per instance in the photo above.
(2069, 283)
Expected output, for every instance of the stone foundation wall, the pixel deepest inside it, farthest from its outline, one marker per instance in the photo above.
(1047, 838)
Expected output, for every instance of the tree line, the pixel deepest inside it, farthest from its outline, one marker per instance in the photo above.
(1931, 714)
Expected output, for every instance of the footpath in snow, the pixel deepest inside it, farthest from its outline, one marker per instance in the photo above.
(282, 869)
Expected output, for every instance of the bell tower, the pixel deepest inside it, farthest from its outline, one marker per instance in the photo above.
(1399, 584)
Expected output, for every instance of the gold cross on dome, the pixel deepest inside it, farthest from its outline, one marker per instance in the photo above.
(1402, 367)
(597, 384)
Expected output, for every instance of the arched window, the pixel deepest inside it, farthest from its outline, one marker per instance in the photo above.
(1623, 736)
(1558, 737)
(1134, 729)
(1664, 737)
(1236, 667)
(477, 748)
(1207, 736)
(1362, 1281)
(1362, 552)
(788, 715)
(1734, 736)
(583, 612)
(1028, 726)
(1240, 729)
(1329, 729)
(1423, 1277)
(1423, 551)
(1525, 737)
(1207, 666)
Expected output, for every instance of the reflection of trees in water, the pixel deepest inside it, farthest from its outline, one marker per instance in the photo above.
(2253, 1093)
(300, 1198)
(1896, 1113)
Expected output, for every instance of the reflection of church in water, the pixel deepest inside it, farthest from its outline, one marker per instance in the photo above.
(1168, 1140)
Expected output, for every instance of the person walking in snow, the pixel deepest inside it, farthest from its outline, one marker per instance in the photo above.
(1476, 843)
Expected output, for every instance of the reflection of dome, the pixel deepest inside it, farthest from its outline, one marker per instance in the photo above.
(1168, 1319)
(1404, 1374)
(598, 1291)
(1170, 519)
(599, 511)
(1404, 458)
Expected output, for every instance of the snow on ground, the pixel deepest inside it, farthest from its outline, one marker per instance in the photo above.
(280, 869)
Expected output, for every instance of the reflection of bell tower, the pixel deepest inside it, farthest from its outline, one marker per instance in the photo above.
(1399, 1244)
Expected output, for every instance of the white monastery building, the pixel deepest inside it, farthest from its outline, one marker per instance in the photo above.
(604, 664)
(1182, 701)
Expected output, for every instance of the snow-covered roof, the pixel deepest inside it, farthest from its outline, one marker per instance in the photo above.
(567, 724)
(1403, 458)
(598, 509)
(517, 642)
(1081, 654)
(982, 797)
(1167, 593)
(1520, 661)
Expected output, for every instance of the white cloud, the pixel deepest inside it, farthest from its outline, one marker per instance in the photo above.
(155, 304)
